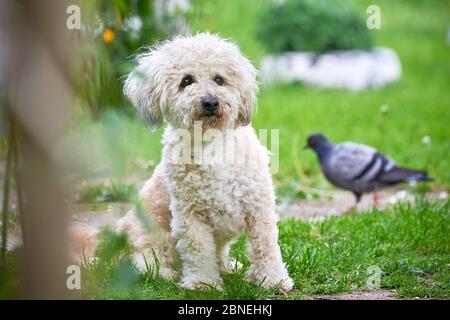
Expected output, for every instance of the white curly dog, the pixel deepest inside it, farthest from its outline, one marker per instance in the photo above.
(200, 206)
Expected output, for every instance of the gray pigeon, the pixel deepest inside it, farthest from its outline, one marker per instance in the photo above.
(359, 168)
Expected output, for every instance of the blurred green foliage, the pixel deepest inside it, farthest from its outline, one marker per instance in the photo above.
(313, 25)
(112, 32)
(112, 246)
(115, 192)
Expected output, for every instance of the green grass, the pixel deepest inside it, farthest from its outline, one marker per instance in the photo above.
(409, 244)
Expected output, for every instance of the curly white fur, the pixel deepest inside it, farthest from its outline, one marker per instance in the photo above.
(200, 208)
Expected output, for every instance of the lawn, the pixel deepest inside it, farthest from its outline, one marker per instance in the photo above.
(410, 244)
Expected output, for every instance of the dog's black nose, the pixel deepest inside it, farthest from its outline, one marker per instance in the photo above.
(210, 104)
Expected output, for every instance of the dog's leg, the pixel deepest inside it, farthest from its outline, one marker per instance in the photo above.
(151, 250)
(157, 256)
(155, 249)
(197, 250)
(264, 252)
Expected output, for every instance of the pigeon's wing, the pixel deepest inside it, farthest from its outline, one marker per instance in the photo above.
(358, 164)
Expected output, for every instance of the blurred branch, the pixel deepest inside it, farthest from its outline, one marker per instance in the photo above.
(6, 189)
(39, 100)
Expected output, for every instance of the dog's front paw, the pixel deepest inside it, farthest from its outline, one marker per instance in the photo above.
(283, 282)
(286, 285)
(193, 283)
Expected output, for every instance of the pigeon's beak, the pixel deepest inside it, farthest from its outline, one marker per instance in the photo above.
(305, 147)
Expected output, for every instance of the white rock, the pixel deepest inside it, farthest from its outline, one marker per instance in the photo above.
(353, 70)
(392, 200)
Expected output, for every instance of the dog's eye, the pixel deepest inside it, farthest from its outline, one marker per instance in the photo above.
(219, 80)
(186, 81)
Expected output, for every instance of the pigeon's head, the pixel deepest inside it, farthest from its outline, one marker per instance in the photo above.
(316, 141)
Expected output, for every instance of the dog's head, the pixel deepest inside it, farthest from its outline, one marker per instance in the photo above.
(195, 78)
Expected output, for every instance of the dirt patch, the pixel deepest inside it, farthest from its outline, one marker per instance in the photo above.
(331, 203)
(337, 203)
(361, 295)
(99, 215)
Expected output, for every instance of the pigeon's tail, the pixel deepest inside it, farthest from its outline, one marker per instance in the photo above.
(399, 174)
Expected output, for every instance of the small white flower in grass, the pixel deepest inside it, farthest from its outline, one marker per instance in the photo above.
(384, 108)
(401, 195)
(426, 140)
(316, 219)
(392, 200)
(443, 195)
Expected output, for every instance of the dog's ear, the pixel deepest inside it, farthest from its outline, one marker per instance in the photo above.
(144, 90)
(248, 90)
(246, 109)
